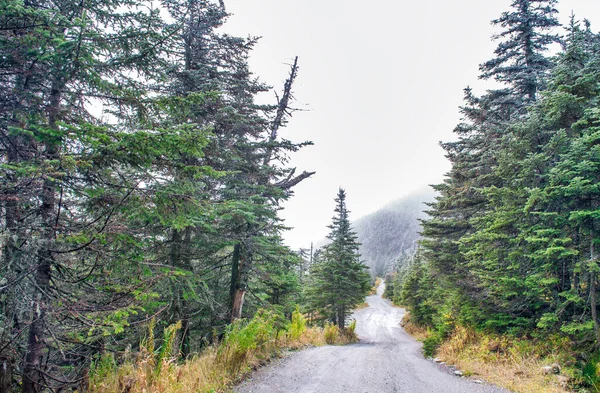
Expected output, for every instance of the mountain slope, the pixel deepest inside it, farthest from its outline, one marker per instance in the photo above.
(391, 233)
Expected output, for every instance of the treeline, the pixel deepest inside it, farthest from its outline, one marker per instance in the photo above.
(510, 245)
(139, 179)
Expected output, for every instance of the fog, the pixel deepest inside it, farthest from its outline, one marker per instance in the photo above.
(380, 84)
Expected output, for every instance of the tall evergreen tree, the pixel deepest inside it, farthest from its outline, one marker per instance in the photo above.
(110, 218)
(464, 207)
(529, 252)
(505, 250)
(520, 61)
(67, 182)
(246, 145)
(563, 238)
(338, 281)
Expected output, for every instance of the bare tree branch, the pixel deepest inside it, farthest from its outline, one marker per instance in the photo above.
(282, 109)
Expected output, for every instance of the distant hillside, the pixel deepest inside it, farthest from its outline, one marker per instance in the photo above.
(392, 231)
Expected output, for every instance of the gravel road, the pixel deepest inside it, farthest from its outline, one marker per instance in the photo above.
(385, 360)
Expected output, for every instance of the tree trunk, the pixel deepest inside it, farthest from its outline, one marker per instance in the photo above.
(239, 277)
(593, 300)
(35, 344)
(235, 272)
(180, 259)
(10, 257)
(35, 347)
(10, 261)
(341, 319)
(176, 291)
(238, 304)
(6, 375)
(32, 377)
(185, 337)
(185, 311)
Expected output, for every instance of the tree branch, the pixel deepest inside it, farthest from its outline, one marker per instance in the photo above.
(289, 183)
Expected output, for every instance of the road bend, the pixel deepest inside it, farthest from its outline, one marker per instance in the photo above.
(385, 360)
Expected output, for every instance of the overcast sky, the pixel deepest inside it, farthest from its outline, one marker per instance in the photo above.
(381, 82)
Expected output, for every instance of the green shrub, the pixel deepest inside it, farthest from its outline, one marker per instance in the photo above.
(245, 335)
(591, 371)
(103, 367)
(349, 334)
(297, 326)
(243, 338)
(432, 343)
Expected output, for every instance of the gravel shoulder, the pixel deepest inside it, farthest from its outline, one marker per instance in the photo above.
(386, 359)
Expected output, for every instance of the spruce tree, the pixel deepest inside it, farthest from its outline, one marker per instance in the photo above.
(339, 281)
(520, 62)
(463, 207)
(111, 218)
(71, 175)
(529, 250)
(564, 237)
(525, 278)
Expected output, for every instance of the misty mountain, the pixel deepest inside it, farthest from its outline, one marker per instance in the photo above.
(390, 234)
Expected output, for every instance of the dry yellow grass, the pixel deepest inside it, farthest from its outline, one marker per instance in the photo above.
(199, 374)
(513, 364)
(361, 306)
(416, 331)
(311, 337)
(373, 290)
(215, 370)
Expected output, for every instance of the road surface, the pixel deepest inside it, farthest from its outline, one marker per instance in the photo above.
(386, 360)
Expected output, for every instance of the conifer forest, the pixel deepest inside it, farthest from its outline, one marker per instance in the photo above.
(510, 243)
(142, 179)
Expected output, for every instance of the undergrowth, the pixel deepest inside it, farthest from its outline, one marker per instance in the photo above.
(418, 332)
(336, 336)
(513, 363)
(361, 306)
(373, 290)
(246, 346)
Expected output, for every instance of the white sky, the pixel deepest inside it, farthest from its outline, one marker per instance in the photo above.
(382, 81)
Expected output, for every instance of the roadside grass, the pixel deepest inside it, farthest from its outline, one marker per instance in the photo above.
(373, 290)
(247, 345)
(361, 306)
(513, 363)
(418, 332)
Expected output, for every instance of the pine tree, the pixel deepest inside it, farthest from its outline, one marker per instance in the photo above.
(528, 251)
(464, 208)
(520, 62)
(246, 144)
(564, 237)
(110, 218)
(338, 281)
(506, 252)
(68, 181)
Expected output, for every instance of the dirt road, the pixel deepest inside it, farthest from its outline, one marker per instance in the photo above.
(386, 360)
